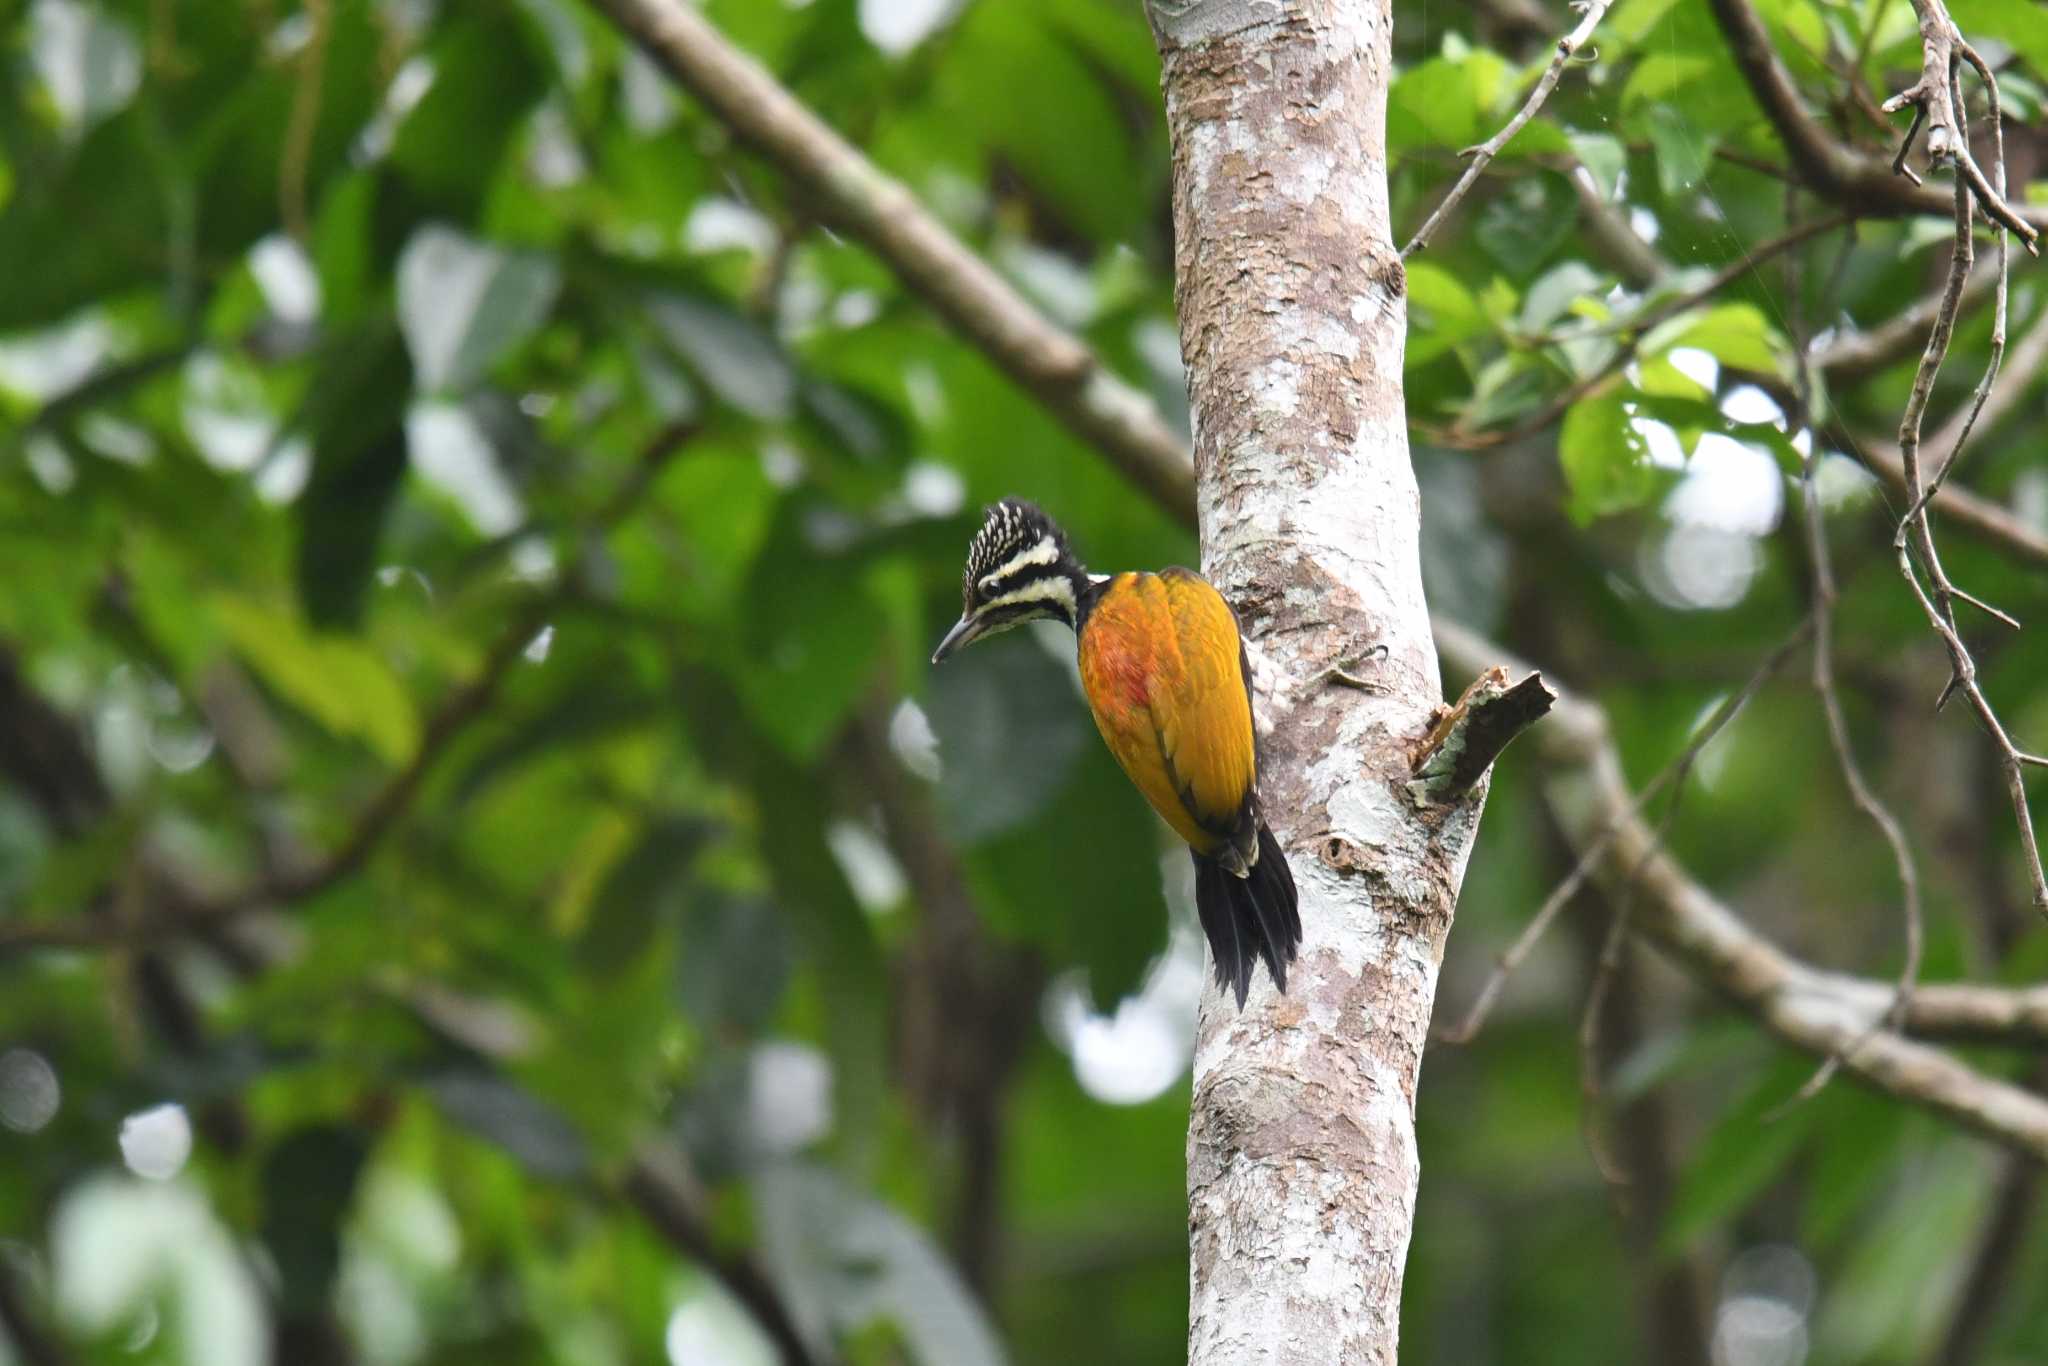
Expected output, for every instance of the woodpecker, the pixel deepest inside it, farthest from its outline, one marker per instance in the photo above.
(1167, 678)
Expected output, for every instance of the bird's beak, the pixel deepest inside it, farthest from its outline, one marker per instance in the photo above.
(964, 631)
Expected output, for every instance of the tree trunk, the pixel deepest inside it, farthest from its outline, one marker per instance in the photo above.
(1302, 1166)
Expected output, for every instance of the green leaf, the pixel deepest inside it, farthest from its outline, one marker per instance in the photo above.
(89, 66)
(734, 357)
(1061, 132)
(644, 889)
(309, 1183)
(1743, 1154)
(835, 936)
(1684, 150)
(337, 680)
(1442, 312)
(1539, 137)
(1736, 335)
(1009, 725)
(1082, 879)
(1661, 379)
(93, 223)
(844, 1260)
(733, 963)
(537, 1135)
(1661, 75)
(486, 79)
(355, 417)
(1606, 463)
(811, 630)
(1445, 102)
(2019, 24)
(463, 303)
(343, 249)
(1520, 228)
(1605, 157)
(1875, 1307)
(1556, 291)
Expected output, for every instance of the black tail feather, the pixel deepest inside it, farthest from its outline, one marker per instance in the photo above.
(1249, 918)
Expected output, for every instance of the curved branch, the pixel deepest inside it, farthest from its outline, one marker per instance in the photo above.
(1983, 518)
(1823, 1013)
(1067, 377)
(657, 1183)
(178, 907)
(1861, 354)
(1817, 1010)
(1962, 1011)
(1847, 360)
(1482, 156)
(1847, 178)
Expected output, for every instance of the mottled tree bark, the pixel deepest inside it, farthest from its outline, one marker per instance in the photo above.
(1302, 1166)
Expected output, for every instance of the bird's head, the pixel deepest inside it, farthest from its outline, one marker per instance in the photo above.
(1018, 569)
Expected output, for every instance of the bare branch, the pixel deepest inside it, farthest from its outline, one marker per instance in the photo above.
(1916, 537)
(1967, 1012)
(175, 908)
(1957, 431)
(1627, 895)
(967, 1005)
(1820, 1012)
(1596, 848)
(1591, 13)
(1469, 735)
(1619, 244)
(1860, 791)
(1936, 104)
(658, 1184)
(1860, 354)
(1844, 177)
(1635, 327)
(1069, 379)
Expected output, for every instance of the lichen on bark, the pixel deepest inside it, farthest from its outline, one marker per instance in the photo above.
(1302, 1166)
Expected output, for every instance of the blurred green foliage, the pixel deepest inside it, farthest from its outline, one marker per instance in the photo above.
(387, 380)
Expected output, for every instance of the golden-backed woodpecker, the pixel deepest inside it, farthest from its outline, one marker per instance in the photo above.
(1166, 675)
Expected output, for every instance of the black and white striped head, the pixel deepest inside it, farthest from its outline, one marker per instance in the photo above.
(1018, 569)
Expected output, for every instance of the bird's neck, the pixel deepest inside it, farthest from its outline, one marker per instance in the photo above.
(1088, 590)
(1072, 606)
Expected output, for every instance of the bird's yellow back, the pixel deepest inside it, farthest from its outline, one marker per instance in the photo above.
(1160, 663)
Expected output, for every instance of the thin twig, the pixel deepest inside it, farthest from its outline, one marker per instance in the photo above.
(1915, 537)
(1936, 103)
(304, 119)
(174, 911)
(1757, 255)
(657, 1184)
(1861, 353)
(1605, 969)
(1844, 360)
(1617, 931)
(1593, 849)
(1591, 12)
(853, 195)
(1955, 438)
(1815, 1011)
(1637, 327)
(1839, 174)
(1824, 686)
